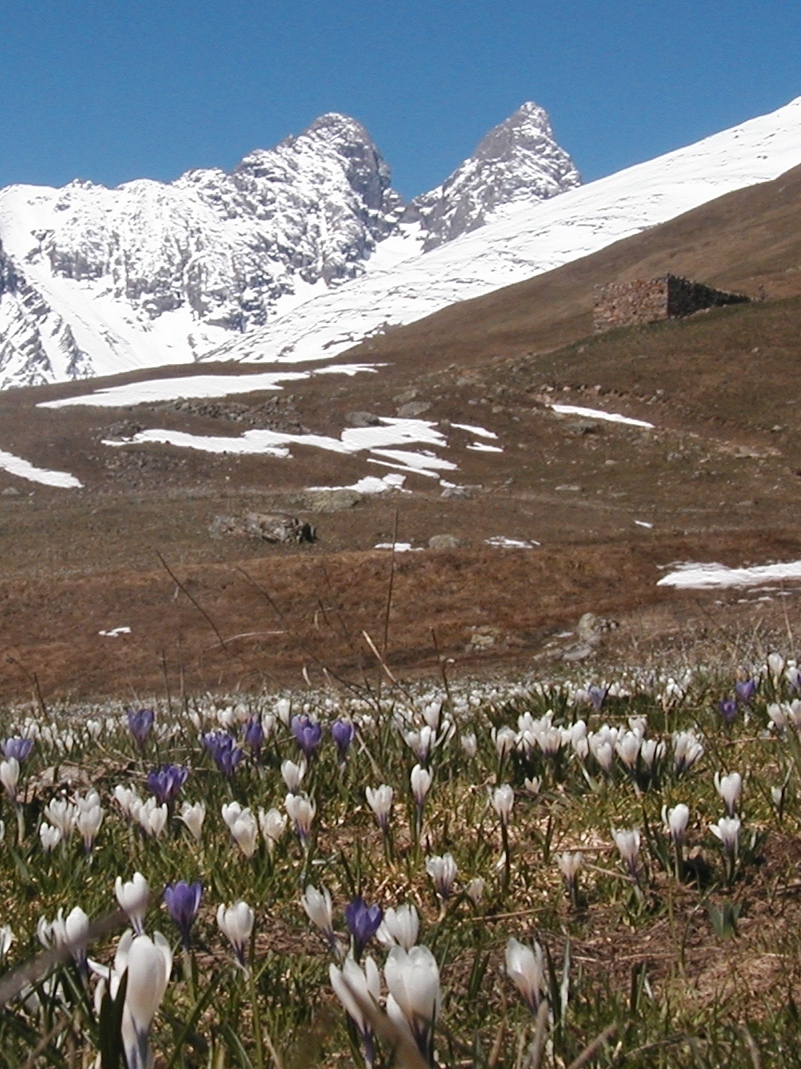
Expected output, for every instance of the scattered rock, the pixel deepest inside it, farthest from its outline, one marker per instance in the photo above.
(461, 491)
(412, 409)
(406, 396)
(266, 527)
(578, 653)
(483, 638)
(445, 541)
(10, 491)
(332, 500)
(591, 628)
(361, 419)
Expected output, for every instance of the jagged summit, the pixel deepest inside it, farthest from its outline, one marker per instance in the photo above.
(95, 281)
(517, 160)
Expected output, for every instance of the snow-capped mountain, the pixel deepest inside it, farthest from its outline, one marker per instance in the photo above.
(518, 161)
(528, 239)
(96, 281)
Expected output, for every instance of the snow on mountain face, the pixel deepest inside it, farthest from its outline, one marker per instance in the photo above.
(96, 281)
(519, 160)
(529, 239)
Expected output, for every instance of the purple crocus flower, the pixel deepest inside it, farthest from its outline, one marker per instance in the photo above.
(254, 735)
(363, 922)
(342, 732)
(746, 690)
(140, 721)
(165, 782)
(793, 677)
(597, 696)
(183, 901)
(728, 710)
(307, 734)
(17, 747)
(224, 750)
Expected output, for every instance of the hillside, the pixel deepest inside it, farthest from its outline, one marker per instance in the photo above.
(705, 468)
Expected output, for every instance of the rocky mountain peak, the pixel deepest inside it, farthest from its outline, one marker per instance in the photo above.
(519, 159)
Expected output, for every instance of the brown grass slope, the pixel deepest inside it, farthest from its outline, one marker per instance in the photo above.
(717, 478)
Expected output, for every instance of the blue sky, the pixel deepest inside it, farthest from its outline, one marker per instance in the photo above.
(110, 90)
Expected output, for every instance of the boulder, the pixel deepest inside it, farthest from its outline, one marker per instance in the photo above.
(264, 527)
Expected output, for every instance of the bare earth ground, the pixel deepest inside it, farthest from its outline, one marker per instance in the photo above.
(718, 478)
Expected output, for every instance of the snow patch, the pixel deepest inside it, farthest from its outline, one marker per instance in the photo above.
(598, 413)
(480, 432)
(115, 632)
(23, 469)
(716, 576)
(511, 543)
(157, 390)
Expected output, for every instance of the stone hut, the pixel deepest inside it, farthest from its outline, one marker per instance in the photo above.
(625, 304)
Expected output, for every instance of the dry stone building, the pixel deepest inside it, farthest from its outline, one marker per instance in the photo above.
(625, 304)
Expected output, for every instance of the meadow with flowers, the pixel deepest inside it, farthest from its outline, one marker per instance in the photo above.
(574, 872)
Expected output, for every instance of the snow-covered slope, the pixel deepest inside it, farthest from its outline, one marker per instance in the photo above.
(96, 281)
(528, 239)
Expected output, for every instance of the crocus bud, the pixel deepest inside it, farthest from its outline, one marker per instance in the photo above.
(503, 798)
(628, 845)
(272, 825)
(729, 788)
(319, 910)
(293, 774)
(245, 832)
(183, 901)
(134, 898)
(727, 830)
(193, 817)
(469, 744)
(442, 871)
(236, 924)
(420, 780)
(149, 968)
(524, 967)
(49, 836)
(351, 986)
(380, 801)
(9, 776)
(301, 810)
(676, 821)
(569, 865)
(342, 732)
(775, 666)
(363, 922)
(414, 992)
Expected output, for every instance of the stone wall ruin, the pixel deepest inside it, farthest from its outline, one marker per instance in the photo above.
(627, 304)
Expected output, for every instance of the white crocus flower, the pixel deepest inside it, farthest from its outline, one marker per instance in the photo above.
(353, 985)
(88, 822)
(134, 897)
(149, 967)
(245, 831)
(727, 830)
(628, 845)
(151, 816)
(9, 776)
(193, 817)
(301, 810)
(442, 871)
(469, 744)
(686, 751)
(414, 992)
(775, 666)
(62, 815)
(676, 821)
(628, 749)
(230, 813)
(569, 864)
(127, 799)
(272, 825)
(319, 909)
(420, 780)
(236, 924)
(729, 788)
(400, 927)
(505, 739)
(533, 785)
(503, 799)
(475, 890)
(49, 836)
(6, 939)
(293, 774)
(380, 801)
(524, 967)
